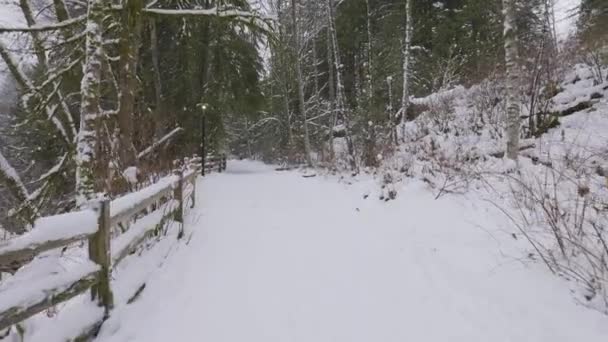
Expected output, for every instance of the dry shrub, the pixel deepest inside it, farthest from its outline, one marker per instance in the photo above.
(563, 213)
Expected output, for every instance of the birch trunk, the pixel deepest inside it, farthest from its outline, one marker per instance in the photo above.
(90, 103)
(332, 95)
(512, 80)
(340, 100)
(300, 82)
(407, 41)
(391, 117)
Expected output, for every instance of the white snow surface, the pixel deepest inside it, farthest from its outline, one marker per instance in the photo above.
(51, 228)
(272, 256)
(566, 15)
(34, 285)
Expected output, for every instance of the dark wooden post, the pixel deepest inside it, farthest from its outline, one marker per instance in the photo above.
(193, 196)
(99, 252)
(203, 156)
(178, 194)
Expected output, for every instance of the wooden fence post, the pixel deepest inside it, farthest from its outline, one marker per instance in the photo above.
(179, 195)
(99, 252)
(193, 196)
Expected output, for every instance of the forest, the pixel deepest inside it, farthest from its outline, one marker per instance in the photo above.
(102, 97)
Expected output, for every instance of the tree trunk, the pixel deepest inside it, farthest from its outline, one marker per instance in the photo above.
(29, 19)
(90, 103)
(332, 93)
(130, 40)
(407, 40)
(391, 117)
(340, 100)
(370, 75)
(370, 135)
(61, 11)
(315, 68)
(300, 82)
(512, 81)
(281, 55)
(158, 90)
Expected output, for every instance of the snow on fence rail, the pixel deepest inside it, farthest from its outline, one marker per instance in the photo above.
(157, 203)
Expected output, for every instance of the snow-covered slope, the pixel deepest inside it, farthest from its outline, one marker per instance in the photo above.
(557, 198)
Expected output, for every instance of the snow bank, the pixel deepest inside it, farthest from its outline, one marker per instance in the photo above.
(37, 282)
(557, 196)
(71, 322)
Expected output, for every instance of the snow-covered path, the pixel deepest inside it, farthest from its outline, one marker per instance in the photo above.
(275, 257)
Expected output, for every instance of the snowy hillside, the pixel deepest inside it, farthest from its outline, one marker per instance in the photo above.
(558, 197)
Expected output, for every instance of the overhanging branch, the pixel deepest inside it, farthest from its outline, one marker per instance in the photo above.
(46, 27)
(260, 20)
(159, 143)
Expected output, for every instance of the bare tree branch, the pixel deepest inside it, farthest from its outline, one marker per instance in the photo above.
(46, 27)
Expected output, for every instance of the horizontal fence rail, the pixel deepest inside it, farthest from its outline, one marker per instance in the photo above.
(212, 162)
(138, 216)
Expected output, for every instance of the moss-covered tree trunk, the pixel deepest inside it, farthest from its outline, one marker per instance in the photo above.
(90, 103)
(130, 41)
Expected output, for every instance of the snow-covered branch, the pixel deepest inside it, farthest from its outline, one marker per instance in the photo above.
(13, 67)
(56, 74)
(159, 142)
(46, 27)
(24, 81)
(215, 11)
(260, 20)
(10, 177)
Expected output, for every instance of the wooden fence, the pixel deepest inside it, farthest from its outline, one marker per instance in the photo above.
(139, 215)
(214, 163)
